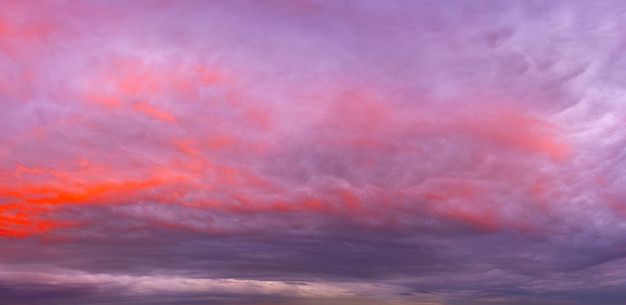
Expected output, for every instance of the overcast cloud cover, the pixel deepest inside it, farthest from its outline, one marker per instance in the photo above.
(292, 152)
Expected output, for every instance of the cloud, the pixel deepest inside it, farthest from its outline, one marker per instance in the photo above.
(300, 152)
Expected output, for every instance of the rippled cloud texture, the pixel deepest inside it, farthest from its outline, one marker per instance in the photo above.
(292, 152)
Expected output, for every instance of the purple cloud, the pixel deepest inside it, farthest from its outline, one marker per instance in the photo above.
(311, 152)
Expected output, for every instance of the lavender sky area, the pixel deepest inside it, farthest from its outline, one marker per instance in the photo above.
(309, 152)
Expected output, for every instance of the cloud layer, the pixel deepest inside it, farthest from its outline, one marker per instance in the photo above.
(312, 152)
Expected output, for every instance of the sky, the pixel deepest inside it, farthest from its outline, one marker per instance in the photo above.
(308, 152)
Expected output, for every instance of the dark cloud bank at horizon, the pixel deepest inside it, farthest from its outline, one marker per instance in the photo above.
(292, 152)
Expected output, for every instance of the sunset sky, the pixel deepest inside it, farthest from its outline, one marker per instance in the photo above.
(309, 152)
